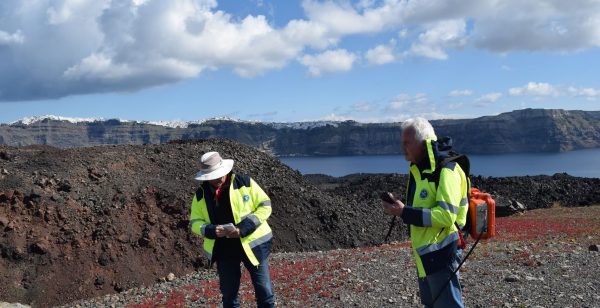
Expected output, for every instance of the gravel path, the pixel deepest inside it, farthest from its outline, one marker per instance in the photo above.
(538, 259)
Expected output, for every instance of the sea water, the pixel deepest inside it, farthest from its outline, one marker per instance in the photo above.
(582, 163)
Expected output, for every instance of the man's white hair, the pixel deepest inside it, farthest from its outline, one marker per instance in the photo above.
(422, 127)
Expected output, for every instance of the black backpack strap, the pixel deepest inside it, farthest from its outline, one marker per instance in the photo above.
(461, 159)
(438, 170)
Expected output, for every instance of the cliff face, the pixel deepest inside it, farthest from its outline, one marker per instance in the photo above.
(346, 138)
(64, 134)
(528, 130)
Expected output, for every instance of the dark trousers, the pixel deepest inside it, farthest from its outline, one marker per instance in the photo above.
(229, 280)
(432, 285)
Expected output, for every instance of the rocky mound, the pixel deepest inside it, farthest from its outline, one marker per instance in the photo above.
(84, 222)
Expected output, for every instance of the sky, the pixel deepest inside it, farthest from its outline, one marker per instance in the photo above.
(290, 61)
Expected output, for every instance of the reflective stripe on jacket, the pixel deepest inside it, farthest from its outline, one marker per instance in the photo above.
(250, 206)
(432, 211)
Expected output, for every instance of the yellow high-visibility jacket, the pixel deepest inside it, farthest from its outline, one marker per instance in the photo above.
(250, 206)
(431, 210)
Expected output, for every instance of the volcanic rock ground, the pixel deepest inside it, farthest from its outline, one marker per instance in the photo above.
(538, 258)
(85, 222)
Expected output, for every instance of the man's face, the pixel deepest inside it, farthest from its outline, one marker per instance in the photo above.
(216, 183)
(412, 149)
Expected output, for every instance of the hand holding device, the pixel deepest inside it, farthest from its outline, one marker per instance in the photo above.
(391, 205)
(385, 196)
(228, 227)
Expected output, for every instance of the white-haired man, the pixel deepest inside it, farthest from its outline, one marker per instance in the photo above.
(230, 211)
(433, 207)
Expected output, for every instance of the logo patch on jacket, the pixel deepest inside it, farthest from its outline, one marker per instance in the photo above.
(423, 193)
(246, 198)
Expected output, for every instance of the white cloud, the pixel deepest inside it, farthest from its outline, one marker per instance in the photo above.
(503, 26)
(309, 33)
(381, 54)
(97, 66)
(456, 93)
(346, 117)
(432, 115)
(92, 46)
(589, 93)
(141, 2)
(61, 11)
(437, 37)
(338, 60)
(500, 26)
(335, 117)
(99, 46)
(409, 104)
(8, 39)
(534, 89)
(487, 99)
(539, 89)
(343, 19)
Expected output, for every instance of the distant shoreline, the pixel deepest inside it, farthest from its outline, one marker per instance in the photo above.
(580, 163)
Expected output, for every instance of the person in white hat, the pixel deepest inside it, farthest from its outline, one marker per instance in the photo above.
(230, 211)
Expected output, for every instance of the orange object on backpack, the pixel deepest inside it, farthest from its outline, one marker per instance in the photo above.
(482, 212)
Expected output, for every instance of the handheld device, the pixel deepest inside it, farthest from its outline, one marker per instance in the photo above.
(229, 227)
(385, 196)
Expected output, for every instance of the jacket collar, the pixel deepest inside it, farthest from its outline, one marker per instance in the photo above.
(435, 151)
(429, 162)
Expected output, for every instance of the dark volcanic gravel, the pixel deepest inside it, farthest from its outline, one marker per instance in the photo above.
(532, 192)
(85, 222)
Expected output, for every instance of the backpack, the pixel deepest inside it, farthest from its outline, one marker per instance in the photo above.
(481, 207)
(481, 210)
(463, 161)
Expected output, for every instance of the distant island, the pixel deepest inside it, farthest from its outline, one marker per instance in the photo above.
(527, 130)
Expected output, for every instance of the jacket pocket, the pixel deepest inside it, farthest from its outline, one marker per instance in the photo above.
(262, 251)
(441, 259)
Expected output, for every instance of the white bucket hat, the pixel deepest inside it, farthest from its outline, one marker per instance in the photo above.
(212, 166)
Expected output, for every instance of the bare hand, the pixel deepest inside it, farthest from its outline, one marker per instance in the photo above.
(395, 208)
(220, 230)
(234, 233)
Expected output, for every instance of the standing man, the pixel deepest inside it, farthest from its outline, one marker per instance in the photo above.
(230, 211)
(431, 210)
